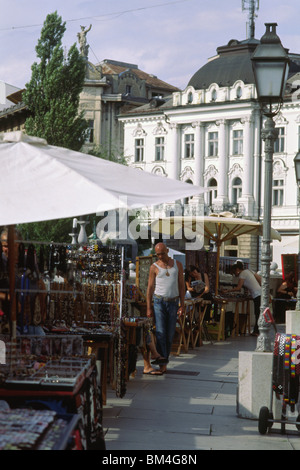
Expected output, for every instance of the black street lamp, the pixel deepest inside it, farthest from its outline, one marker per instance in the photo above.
(270, 63)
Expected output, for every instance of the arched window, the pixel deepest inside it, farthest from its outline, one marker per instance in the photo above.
(214, 94)
(236, 189)
(187, 199)
(239, 92)
(213, 191)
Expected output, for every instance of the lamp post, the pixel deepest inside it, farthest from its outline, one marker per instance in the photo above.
(297, 171)
(270, 66)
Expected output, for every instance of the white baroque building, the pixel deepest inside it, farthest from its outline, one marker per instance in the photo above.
(210, 135)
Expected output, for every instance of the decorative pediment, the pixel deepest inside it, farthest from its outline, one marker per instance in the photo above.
(210, 172)
(160, 129)
(187, 174)
(235, 171)
(280, 119)
(279, 169)
(139, 131)
(159, 170)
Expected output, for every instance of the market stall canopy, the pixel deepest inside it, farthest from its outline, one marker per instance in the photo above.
(215, 227)
(42, 182)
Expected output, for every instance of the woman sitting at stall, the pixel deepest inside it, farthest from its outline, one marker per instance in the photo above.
(285, 292)
(197, 283)
(288, 288)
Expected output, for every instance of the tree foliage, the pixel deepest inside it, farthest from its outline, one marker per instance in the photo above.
(52, 230)
(53, 92)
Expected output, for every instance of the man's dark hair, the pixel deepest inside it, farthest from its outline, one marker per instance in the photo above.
(237, 265)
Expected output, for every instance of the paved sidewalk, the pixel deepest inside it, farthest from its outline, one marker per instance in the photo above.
(192, 407)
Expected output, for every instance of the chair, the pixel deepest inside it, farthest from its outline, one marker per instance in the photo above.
(203, 326)
(220, 325)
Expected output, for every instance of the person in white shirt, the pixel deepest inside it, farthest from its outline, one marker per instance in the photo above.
(252, 282)
(167, 290)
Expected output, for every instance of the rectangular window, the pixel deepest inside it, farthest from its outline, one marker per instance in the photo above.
(278, 192)
(159, 148)
(189, 146)
(279, 143)
(139, 150)
(213, 144)
(237, 142)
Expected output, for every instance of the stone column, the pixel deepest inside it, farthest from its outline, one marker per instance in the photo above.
(174, 154)
(199, 153)
(247, 199)
(198, 200)
(222, 198)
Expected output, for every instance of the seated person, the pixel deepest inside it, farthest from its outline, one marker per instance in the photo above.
(288, 288)
(252, 282)
(286, 291)
(201, 290)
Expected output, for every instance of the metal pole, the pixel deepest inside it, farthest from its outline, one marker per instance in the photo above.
(269, 135)
(298, 271)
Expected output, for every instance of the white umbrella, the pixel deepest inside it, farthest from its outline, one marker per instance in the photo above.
(214, 227)
(43, 182)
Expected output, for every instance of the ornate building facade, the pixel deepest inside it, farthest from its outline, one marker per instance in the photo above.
(210, 135)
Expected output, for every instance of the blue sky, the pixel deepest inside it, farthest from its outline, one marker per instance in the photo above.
(170, 39)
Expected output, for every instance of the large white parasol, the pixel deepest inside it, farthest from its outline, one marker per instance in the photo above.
(43, 182)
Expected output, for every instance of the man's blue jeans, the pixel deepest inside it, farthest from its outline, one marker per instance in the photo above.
(165, 313)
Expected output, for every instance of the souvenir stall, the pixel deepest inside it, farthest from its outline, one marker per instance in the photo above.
(40, 182)
(38, 430)
(51, 378)
(69, 305)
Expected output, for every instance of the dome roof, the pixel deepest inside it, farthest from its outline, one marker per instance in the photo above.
(232, 63)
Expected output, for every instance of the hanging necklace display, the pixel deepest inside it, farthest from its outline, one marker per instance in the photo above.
(92, 298)
(121, 355)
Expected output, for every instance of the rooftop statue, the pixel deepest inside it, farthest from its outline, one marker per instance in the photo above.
(84, 47)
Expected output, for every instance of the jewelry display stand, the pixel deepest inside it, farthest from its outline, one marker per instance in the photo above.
(66, 294)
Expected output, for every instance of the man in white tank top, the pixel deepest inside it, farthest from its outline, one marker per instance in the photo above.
(252, 282)
(165, 288)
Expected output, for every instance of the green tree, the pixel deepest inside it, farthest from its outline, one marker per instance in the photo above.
(52, 94)
(53, 230)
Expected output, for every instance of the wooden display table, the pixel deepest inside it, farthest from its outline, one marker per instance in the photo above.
(239, 301)
(189, 326)
(101, 346)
